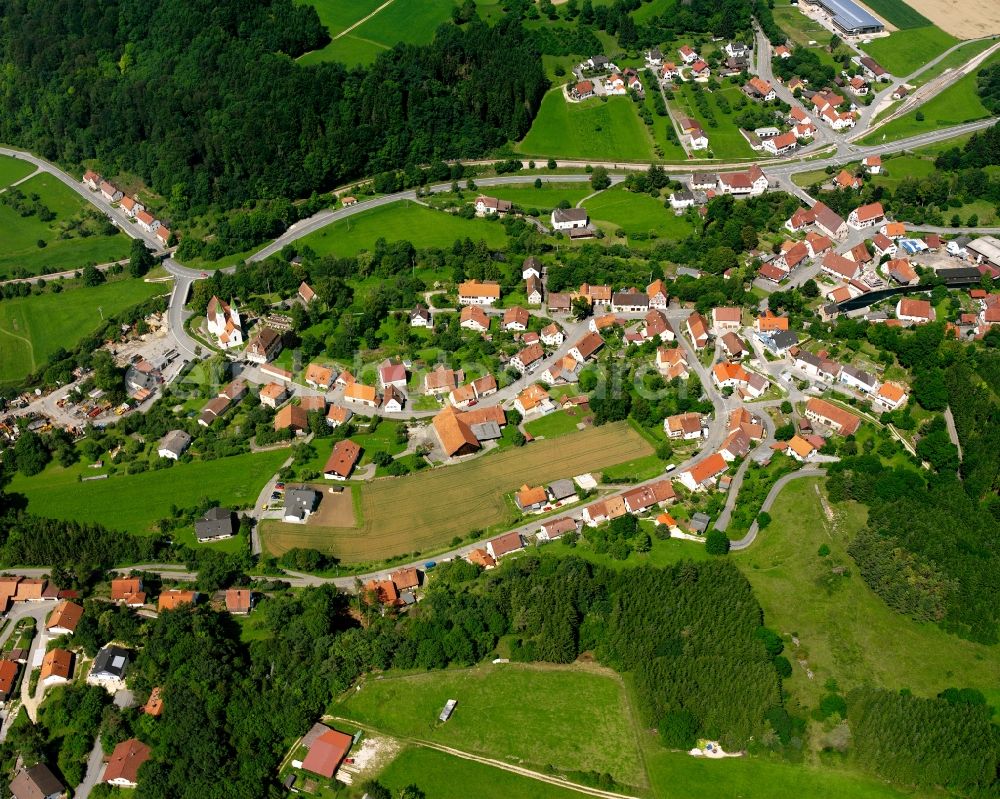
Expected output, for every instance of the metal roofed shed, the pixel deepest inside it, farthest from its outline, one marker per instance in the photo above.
(851, 18)
(449, 708)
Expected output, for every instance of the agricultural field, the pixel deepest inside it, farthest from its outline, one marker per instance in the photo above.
(548, 725)
(637, 213)
(898, 14)
(134, 503)
(404, 220)
(13, 170)
(32, 328)
(725, 140)
(846, 632)
(425, 511)
(596, 129)
(957, 104)
(444, 776)
(384, 25)
(85, 242)
(904, 51)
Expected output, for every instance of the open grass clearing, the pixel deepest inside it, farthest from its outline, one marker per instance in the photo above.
(604, 130)
(408, 21)
(423, 512)
(13, 170)
(404, 220)
(907, 50)
(134, 503)
(19, 235)
(637, 213)
(573, 718)
(724, 140)
(546, 197)
(957, 104)
(846, 632)
(33, 327)
(965, 53)
(444, 776)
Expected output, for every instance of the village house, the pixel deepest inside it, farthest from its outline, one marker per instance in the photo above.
(343, 458)
(749, 183)
(392, 373)
(672, 363)
(569, 218)
(175, 598)
(299, 504)
(732, 375)
(629, 302)
(163, 234)
(845, 180)
(534, 400)
(781, 51)
(122, 769)
(641, 499)
(57, 667)
(420, 316)
(305, 293)
(474, 318)
(174, 444)
(128, 591)
(735, 445)
(531, 267)
(685, 426)
(91, 179)
(110, 192)
(865, 216)
(899, 269)
(559, 302)
(533, 290)
(556, 528)
(275, 372)
(361, 394)
(697, 330)
(840, 267)
(657, 295)
(319, 377)
(769, 322)
(490, 206)
(213, 410)
(146, 221)
(872, 164)
(829, 415)
(528, 359)
(733, 346)
(552, 336)
(337, 415)
(705, 474)
(582, 90)
(598, 324)
(828, 221)
(473, 292)
(505, 544)
(460, 433)
(442, 380)
(603, 511)
(859, 254)
(217, 524)
(800, 448)
(272, 395)
(292, 417)
(564, 370)
(916, 312)
(586, 347)
(890, 397)
(464, 396)
(858, 379)
(530, 498)
(792, 254)
(64, 618)
(130, 207)
(687, 54)
(110, 665)
(757, 89)
(700, 70)
(515, 318)
(37, 782)
(883, 246)
(781, 144)
(264, 346)
(726, 319)
(326, 749)
(8, 677)
(657, 326)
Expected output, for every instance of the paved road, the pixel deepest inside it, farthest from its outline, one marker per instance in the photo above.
(95, 768)
(772, 495)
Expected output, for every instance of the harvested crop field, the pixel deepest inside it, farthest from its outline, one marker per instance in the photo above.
(335, 509)
(423, 512)
(967, 19)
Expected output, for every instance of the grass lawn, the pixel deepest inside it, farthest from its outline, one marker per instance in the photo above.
(415, 223)
(641, 468)
(409, 21)
(895, 170)
(846, 632)
(602, 130)
(443, 776)
(19, 235)
(637, 213)
(13, 169)
(546, 198)
(135, 502)
(663, 553)
(898, 13)
(957, 104)
(423, 512)
(548, 724)
(674, 775)
(960, 56)
(725, 140)
(32, 328)
(553, 425)
(802, 30)
(904, 51)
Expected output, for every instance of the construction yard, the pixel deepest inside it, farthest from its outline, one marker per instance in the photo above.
(423, 512)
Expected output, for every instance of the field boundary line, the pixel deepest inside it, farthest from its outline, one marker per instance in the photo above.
(363, 20)
(489, 761)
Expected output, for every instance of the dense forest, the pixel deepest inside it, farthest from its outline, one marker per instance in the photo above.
(204, 101)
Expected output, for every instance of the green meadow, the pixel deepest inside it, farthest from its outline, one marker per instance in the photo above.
(904, 51)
